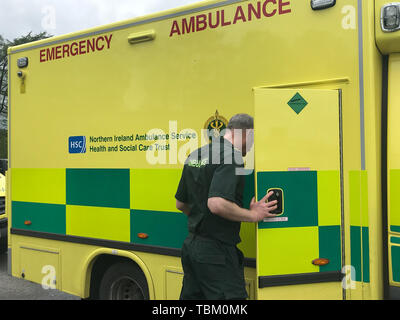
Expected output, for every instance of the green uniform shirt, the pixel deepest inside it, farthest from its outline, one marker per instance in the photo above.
(212, 171)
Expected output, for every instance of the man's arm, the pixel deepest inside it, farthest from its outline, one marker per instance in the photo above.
(182, 195)
(231, 211)
(184, 207)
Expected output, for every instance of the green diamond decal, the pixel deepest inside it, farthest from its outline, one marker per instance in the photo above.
(297, 103)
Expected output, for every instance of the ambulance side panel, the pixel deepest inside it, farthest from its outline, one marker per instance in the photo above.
(86, 169)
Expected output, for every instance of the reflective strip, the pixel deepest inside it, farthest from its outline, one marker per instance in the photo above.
(143, 190)
(99, 223)
(45, 217)
(329, 202)
(165, 229)
(395, 240)
(395, 251)
(98, 187)
(38, 185)
(285, 251)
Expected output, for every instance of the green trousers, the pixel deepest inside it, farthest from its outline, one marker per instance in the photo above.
(212, 270)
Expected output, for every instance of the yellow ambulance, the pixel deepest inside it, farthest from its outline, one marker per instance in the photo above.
(3, 213)
(101, 122)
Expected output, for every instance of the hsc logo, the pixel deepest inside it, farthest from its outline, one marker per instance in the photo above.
(77, 144)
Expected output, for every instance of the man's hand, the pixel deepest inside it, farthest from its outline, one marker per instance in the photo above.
(262, 209)
(231, 211)
(184, 207)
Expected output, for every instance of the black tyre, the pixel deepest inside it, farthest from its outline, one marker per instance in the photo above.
(3, 240)
(123, 281)
(3, 246)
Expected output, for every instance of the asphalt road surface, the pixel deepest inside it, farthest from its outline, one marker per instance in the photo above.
(17, 289)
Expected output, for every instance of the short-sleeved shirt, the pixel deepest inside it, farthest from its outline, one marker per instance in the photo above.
(212, 171)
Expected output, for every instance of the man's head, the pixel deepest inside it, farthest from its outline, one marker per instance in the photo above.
(241, 132)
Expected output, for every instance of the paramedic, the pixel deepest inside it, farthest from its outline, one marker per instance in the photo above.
(210, 193)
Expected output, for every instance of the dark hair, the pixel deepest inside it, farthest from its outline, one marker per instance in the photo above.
(241, 121)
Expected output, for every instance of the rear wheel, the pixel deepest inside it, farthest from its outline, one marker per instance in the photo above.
(123, 281)
(3, 239)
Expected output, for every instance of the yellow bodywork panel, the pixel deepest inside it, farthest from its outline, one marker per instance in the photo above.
(318, 291)
(285, 139)
(41, 265)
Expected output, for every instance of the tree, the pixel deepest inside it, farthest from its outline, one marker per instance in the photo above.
(3, 74)
(4, 45)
